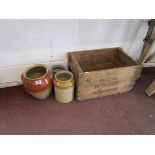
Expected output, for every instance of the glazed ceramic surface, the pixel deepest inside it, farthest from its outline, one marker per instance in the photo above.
(37, 80)
(64, 86)
(57, 68)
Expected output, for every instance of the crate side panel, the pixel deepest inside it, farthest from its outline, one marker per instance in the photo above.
(94, 66)
(109, 76)
(76, 76)
(124, 59)
(109, 52)
(96, 59)
(95, 91)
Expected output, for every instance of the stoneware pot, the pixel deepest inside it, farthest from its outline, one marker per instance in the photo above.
(57, 68)
(37, 80)
(64, 86)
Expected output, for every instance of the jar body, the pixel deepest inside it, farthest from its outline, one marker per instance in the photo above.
(37, 80)
(64, 95)
(64, 86)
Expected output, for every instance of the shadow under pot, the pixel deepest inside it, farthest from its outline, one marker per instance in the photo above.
(37, 80)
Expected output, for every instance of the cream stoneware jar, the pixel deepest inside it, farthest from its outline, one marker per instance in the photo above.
(64, 86)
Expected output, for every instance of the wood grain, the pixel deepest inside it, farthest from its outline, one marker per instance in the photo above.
(103, 72)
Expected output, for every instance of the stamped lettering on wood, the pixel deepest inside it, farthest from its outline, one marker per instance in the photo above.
(100, 91)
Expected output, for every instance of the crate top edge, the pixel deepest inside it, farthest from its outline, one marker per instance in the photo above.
(100, 49)
(137, 65)
(97, 49)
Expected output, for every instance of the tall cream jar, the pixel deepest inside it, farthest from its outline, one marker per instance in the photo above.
(64, 86)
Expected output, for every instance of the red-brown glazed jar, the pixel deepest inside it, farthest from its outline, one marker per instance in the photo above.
(37, 80)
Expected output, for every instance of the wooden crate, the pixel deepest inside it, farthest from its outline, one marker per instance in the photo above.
(103, 72)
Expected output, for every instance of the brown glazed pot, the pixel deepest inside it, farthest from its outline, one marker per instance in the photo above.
(37, 80)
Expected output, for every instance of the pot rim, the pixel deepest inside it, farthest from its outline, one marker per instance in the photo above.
(58, 66)
(33, 66)
(64, 71)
